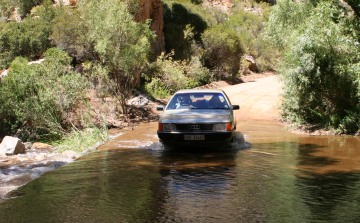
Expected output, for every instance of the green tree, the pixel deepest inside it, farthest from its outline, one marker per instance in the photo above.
(122, 44)
(178, 18)
(320, 67)
(69, 32)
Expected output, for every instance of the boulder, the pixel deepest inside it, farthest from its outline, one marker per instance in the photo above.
(38, 146)
(252, 63)
(3, 74)
(11, 146)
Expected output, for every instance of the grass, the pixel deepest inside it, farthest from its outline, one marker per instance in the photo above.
(82, 140)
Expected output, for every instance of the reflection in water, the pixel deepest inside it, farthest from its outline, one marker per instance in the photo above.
(281, 178)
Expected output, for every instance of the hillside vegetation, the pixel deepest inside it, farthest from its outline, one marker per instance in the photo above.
(96, 46)
(320, 66)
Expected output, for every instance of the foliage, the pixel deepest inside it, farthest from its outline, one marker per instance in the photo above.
(122, 45)
(6, 8)
(320, 68)
(223, 51)
(38, 99)
(25, 6)
(178, 17)
(79, 141)
(171, 75)
(249, 28)
(285, 20)
(69, 33)
(27, 39)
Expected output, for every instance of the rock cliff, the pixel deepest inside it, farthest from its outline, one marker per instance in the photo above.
(153, 10)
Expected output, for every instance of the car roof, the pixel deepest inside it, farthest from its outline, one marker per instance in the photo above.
(199, 91)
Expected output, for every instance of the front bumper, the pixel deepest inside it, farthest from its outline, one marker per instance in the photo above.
(210, 138)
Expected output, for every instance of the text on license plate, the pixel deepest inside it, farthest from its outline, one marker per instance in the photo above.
(194, 137)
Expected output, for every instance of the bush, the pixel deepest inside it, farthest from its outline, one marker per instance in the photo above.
(25, 6)
(69, 33)
(29, 38)
(79, 141)
(38, 99)
(170, 76)
(223, 52)
(178, 17)
(6, 8)
(250, 31)
(320, 79)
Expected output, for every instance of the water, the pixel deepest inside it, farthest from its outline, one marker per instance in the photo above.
(281, 178)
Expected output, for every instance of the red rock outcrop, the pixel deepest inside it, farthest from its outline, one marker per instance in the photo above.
(153, 10)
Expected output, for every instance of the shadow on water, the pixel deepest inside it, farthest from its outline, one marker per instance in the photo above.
(329, 189)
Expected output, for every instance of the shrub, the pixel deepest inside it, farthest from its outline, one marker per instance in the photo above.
(319, 75)
(6, 8)
(82, 140)
(29, 38)
(38, 99)
(223, 51)
(69, 33)
(250, 28)
(170, 76)
(157, 89)
(178, 17)
(25, 6)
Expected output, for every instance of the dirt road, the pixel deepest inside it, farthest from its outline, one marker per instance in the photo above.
(258, 100)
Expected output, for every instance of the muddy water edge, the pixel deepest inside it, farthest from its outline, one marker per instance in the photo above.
(270, 176)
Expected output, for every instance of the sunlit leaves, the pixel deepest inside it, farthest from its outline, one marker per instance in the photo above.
(321, 80)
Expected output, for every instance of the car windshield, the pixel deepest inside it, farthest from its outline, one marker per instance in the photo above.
(198, 101)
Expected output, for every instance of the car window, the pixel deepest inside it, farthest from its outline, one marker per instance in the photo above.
(198, 101)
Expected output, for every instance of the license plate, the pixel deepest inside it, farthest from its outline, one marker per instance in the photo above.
(194, 137)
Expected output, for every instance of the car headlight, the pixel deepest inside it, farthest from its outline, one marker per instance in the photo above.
(222, 127)
(166, 127)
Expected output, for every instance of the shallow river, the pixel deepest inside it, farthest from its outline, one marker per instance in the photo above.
(274, 176)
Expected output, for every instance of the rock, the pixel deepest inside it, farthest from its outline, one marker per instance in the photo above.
(38, 146)
(11, 146)
(252, 63)
(153, 10)
(70, 154)
(65, 2)
(139, 101)
(3, 74)
(28, 145)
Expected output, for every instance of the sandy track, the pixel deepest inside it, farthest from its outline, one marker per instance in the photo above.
(258, 100)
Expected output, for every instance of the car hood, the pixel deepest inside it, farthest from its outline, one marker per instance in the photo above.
(196, 115)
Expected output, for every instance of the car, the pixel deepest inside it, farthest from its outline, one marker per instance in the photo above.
(200, 117)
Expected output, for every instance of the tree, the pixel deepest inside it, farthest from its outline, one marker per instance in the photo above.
(320, 67)
(69, 32)
(123, 45)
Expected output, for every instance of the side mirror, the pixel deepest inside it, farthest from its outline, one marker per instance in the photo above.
(160, 108)
(235, 107)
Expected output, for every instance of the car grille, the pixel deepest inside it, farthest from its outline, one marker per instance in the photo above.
(194, 127)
